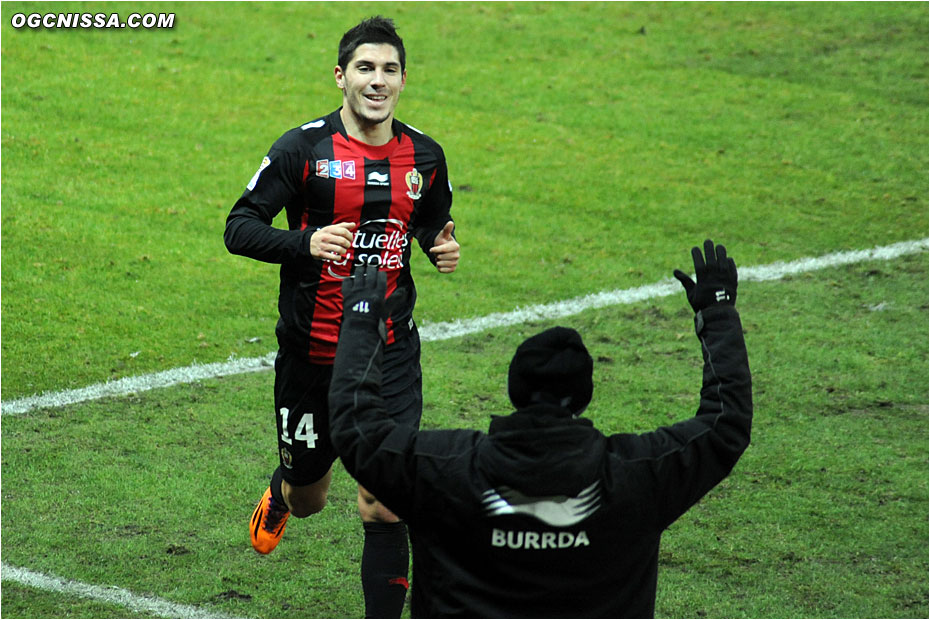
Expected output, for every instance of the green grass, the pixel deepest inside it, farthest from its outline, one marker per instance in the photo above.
(582, 160)
(590, 145)
(825, 516)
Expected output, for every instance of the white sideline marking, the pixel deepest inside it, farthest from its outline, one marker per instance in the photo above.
(109, 594)
(431, 332)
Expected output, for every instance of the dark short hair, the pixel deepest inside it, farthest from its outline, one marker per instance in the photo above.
(375, 30)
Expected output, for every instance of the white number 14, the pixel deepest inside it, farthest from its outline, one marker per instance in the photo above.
(303, 432)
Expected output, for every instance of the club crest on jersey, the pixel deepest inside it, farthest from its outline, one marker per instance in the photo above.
(335, 169)
(414, 184)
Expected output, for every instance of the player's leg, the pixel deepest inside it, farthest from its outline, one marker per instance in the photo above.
(385, 555)
(279, 501)
(307, 500)
(300, 484)
(385, 558)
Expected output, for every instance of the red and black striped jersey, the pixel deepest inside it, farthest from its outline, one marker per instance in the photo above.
(320, 175)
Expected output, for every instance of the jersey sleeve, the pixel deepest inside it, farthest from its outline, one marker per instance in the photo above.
(435, 209)
(249, 231)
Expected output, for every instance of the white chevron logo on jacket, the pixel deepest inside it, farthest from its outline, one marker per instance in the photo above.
(554, 510)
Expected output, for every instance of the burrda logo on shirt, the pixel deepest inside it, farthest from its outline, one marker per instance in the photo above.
(380, 179)
(379, 242)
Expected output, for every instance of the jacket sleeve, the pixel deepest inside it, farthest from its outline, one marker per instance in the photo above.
(375, 450)
(677, 465)
(249, 231)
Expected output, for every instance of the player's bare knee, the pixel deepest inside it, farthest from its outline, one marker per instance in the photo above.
(304, 507)
(371, 510)
(306, 501)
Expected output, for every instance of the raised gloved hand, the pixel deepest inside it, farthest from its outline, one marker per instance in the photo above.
(716, 278)
(363, 295)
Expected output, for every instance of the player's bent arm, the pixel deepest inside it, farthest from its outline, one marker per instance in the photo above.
(434, 211)
(249, 233)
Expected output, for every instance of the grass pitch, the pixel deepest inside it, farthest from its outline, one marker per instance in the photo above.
(590, 145)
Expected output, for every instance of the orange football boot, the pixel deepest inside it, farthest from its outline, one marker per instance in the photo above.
(267, 525)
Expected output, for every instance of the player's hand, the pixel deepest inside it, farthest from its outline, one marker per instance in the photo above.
(363, 294)
(332, 242)
(446, 249)
(716, 278)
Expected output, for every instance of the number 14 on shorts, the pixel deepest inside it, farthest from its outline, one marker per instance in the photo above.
(303, 432)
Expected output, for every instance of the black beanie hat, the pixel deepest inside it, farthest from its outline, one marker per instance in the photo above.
(552, 367)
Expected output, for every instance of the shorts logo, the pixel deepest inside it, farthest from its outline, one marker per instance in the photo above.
(335, 169)
(414, 183)
(286, 459)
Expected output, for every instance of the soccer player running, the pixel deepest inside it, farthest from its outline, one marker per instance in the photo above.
(543, 516)
(356, 185)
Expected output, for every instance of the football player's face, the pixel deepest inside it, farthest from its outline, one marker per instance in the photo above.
(371, 83)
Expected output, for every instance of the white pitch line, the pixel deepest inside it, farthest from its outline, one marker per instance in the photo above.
(109, 594)
(431, 332)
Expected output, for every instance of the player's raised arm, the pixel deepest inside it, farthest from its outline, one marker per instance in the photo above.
(372, 446)
(689, 458)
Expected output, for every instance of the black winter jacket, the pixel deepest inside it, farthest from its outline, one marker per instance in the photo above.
(543, 516)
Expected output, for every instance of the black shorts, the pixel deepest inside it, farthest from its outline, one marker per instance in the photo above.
(301, 395)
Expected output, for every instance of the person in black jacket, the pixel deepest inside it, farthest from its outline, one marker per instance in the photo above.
(543, 515)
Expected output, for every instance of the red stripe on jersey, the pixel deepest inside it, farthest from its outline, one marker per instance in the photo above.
(402, 166)
(348, 200)
(306, 214)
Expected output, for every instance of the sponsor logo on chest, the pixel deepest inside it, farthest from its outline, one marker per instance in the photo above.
(346, 169)
(335, 169)
(378, 178)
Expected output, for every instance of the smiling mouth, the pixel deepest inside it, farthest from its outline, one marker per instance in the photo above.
(376, 98)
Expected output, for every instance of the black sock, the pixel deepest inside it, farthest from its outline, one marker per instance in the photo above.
(385, 557)
(276, 478)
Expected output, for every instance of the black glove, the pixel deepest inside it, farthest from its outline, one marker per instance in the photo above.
(716, 278)
(363, 295)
